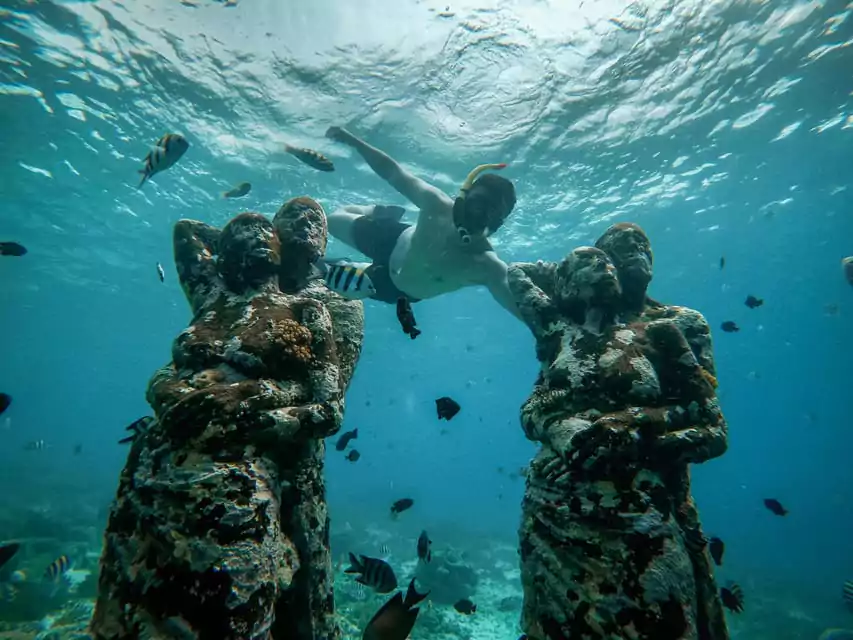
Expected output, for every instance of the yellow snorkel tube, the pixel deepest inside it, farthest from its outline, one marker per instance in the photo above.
(463, 193)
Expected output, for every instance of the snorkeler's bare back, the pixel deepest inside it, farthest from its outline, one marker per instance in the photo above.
(428, 259)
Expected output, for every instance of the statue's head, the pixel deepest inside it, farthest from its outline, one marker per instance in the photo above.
(586, 279)
(630, 250)
(249, 252)
(301, 227)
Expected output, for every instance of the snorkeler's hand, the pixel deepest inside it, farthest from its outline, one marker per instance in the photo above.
(338, 134)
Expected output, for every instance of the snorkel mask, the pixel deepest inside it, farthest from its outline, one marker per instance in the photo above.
(461, 220)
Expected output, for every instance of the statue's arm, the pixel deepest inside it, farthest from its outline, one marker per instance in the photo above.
(195, 246)
(533, 303)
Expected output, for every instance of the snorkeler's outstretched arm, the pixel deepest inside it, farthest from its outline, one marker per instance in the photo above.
(423, 195)
(195, 246)
(495, 272)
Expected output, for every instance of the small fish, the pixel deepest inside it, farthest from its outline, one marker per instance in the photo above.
(353, 455)
(729, 327)
(424, 543)
(58, 567)
(384, 551)
(396, 618)
(732, 597)
(836, 634)
(752, 302)
(166, 152)
(846, 591)
(7, 552)
(35, 445)
(775, 507)
(344, 440)
(78, 449)
(5, 401)
(831, 309)
(447, 408)
(160, 273)
(847, 266)
(12, 249)
(717, 547)
(239, 191)
(136, 427)
(465, 606)
(407, 318)
(373, 572)
(17, 577)
(401, 505)
(348, 279)
(310, 157)
(722, 262)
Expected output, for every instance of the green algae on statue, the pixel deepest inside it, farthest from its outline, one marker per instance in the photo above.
(220, 528)
(610, 541)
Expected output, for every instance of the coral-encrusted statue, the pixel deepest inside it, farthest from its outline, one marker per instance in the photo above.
(220, 529)
(610, 540)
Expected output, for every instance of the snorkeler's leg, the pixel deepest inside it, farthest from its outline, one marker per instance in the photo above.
(341, 222)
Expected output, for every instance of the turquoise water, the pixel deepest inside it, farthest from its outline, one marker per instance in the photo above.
(722, 128)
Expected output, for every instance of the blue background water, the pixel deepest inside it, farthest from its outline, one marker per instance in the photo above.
(677, 116)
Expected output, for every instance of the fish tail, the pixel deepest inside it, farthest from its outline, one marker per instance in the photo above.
(355, 433)
(412, 595)
(145, 177)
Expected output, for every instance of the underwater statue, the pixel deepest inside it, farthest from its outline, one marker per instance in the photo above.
(220, 528)
(610, 541)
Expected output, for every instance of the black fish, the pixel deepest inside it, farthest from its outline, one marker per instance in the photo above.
(5, 401)
(136, 427)
(775, 507)
(373, 572)
(396, 619)
(12, 249)
(729, 327)
(846, 590)
(465, 606)
(78, 449)
(407, 318)
(353, 455)
(343, 441)
(35, 445)
(7, 552)
(424, 543)
(311, 158)
(722, 262)
(732, 597)
(447, 408)
(239, 191)
(752, 302)
(401, 505)
(717, 547)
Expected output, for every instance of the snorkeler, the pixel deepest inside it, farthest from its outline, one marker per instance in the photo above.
(446, 250)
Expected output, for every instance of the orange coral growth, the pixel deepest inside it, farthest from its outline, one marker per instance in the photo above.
(711, 379)
(292, 339)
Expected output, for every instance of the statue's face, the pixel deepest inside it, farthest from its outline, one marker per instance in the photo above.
(630, 250)
(301, 227)
(588, 275)
(249, 252)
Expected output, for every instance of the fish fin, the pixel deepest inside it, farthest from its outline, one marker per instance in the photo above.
(127, 439)
(388, 212)
(145, 176)
(355, 433)
(412, 596)
(355, 565)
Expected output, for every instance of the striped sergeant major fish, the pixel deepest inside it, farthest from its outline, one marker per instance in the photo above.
(166, 152)
(373, 572)
(847, 593)
(348, 279)
(58, 567)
